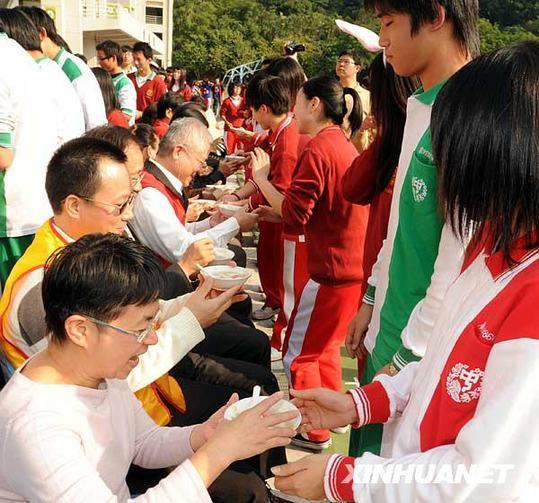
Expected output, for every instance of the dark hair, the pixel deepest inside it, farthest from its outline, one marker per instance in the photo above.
(190, 109)
(18, 26)
(74, 169)
(168, 100)
(107, 89)
(82, 57)
(332, 95)
(464, 15)
(117, 135)
(389, 96)
(98, 275)
(149, 114)
(145, 48)
(291, 72)
(42, 20)
(145, 135)
(485, 144)
(264, 89)
(111, 50)
(231, 85)
(126, 48)
(353, 54)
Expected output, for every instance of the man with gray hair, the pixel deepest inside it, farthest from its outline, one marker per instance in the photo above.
(161, 206)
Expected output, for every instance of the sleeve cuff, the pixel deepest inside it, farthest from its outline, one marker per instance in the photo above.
(254, 184)
(368, 298)
(372, 404)
(339, 478)
(6, 140)
(403, 357)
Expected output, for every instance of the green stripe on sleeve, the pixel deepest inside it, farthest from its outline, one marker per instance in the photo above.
(6, 140)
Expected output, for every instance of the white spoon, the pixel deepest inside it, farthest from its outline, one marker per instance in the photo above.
(254, 397)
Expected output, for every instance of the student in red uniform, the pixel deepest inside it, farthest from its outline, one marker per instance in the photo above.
(115, 117)
(269, 101)
(233, 113)
(335, 232)
(178, 84)
(149, 88)
(166, 106)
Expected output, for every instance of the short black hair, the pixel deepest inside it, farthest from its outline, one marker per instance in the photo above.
(18, 26)
(126, 48)
(42, 20)
(353, 54)
(231, 86)
(98, 275)
(192, 110)
(484, 135)
(111, 49)
(290, 71)
(74, 169)
(168, 100)
(117, 135)
(264, 89)
(82, 57)
(145, 48)
(145, 135)
(464, 14)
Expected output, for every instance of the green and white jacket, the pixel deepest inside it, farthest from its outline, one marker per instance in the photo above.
(420, 256)
(126, 94)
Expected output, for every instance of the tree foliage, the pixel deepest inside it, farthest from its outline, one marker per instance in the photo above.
(212, 36)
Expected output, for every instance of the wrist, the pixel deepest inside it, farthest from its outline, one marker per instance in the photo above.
(197, 438)
(238, 198)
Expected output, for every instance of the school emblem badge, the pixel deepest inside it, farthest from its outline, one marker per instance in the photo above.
(149, 93)
(419, 189)
(464, 385)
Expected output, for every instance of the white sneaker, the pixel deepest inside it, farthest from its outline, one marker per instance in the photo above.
(264, 313)
(276, 355)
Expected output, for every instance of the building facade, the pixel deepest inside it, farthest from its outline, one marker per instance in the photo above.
(85, 23)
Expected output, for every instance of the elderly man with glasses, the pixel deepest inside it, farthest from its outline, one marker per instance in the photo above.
(160, 209)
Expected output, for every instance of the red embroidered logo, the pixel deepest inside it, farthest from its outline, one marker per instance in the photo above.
(484, 332)
(464, 385)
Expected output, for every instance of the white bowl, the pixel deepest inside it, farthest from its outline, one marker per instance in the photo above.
(240, 406)
(222, 256)
(228, 210)
(225, 276)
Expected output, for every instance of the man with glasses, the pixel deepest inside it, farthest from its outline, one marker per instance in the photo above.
(161, 206)
(109, 55)
(347, 68)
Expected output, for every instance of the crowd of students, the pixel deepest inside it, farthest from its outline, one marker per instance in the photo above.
(397, 218)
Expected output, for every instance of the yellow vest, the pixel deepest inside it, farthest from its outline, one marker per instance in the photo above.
(45, 243)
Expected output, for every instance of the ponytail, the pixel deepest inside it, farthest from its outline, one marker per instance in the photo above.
(332, 95)
(355, 115)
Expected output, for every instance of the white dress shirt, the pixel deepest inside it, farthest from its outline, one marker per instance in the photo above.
(157, 226)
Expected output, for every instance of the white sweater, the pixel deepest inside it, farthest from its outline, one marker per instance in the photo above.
(64, 443)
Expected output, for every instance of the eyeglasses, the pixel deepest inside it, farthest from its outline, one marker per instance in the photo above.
(104, 58)
(119, 209)
(139, 335)
(202, 164)
(346, 62)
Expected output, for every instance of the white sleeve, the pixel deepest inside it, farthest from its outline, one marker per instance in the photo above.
(44, 460)
(91, 100)
(176, 336)
(7, 116)
(127, 99)
(415, 336)
(375, 272)
(220, 234)
(503, 433)
(158, 227)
